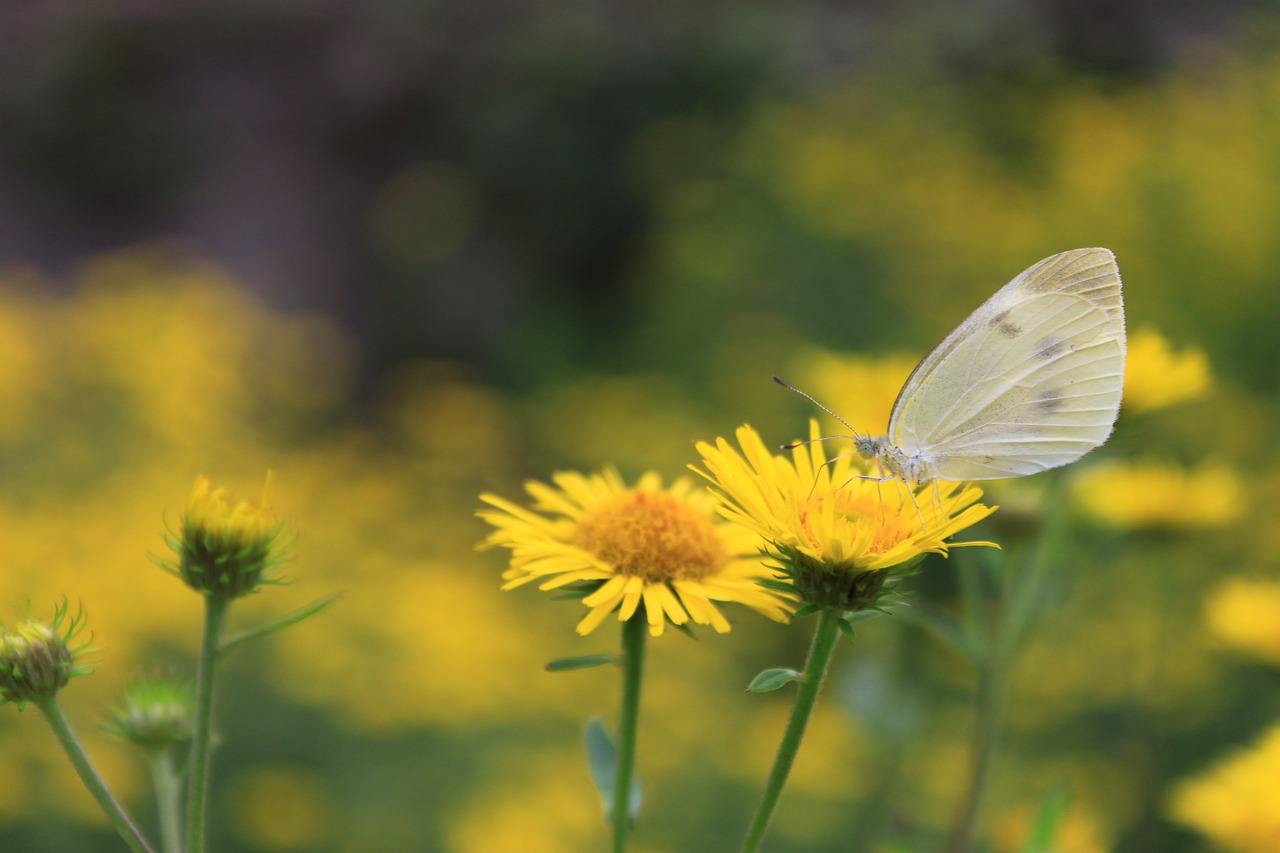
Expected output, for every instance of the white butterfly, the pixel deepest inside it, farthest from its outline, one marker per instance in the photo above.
(1030, 381)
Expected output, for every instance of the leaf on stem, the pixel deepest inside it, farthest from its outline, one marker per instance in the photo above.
(304, 612)
(771, 679)
(602, 762)
(583, 662)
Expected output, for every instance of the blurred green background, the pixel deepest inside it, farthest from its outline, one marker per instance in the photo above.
(403, 253)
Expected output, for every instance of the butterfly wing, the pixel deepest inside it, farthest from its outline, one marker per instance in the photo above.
(1030, 381)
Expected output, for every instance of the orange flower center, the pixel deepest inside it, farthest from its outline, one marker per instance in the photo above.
(856, 511)
(653, 536)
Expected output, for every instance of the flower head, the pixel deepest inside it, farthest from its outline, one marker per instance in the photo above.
(37, 659)
(623, 547)
(1155, 376)
(1244, 613)
(1157, 496)
(841, 539)
(224, 549)
(155, 712)
(877, 380)
(1235, 803)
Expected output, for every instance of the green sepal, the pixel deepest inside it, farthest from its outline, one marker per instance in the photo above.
(771, 679)
(1049, 816)
(778, 586)
(807, 610)
(304, 612)
(602, 762)
(583, 662)
(576, 590)
(685, 629)
(844, 623)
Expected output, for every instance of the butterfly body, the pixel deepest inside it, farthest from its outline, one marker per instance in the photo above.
(1030, 381)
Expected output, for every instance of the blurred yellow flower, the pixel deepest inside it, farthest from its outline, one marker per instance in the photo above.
(1245, 614)
(1150, 495)
(860, 389)
(838, 531)
(663, 548)
(1155, 376)
(1236, 803)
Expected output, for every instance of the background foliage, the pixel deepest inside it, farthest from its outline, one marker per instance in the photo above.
(404, 253)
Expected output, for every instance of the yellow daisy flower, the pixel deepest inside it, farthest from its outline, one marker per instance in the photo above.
(861, 388)
(1234, 803)
(625, 547)
(1244, 613)
(838, 537)
(225, 548)
(1155, 376)
(1155, 496)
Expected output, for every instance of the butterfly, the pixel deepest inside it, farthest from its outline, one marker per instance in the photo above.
(1030, 381)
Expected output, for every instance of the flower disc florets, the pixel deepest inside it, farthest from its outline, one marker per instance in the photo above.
(37, 659)
(224, 550)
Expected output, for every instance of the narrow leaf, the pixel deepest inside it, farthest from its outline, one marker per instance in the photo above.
(305, 612)
(843, 623)
(1045, 827)
(584, 662)
(602, 763)
(771, 679)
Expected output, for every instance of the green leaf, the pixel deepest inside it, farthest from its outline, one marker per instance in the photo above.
(584, 662)
(844, 623)
(602, 762)
(859, 615)
(771, 679)
(304, 612)
(1045, 827)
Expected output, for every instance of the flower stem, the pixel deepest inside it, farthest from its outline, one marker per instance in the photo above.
(810, 683)
(633, 640)
(84, 767)
(215, 614)
(168, 787)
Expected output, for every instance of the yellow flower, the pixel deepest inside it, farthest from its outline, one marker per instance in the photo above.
(861, 390)
(224, 549)
(1155, 496)
(839, 537)
(1245, 614)
(624, 547)
(1155, 376)
(1237, 803)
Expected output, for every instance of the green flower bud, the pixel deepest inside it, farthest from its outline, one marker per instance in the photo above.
(155, 712)
(37, 659)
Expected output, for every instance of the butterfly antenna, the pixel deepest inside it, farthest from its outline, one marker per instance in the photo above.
(809, 397)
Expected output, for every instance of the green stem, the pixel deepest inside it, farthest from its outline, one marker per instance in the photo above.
(633, 640)
(168, 787)
(80, 760)
(810, 683)
(215, 614)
